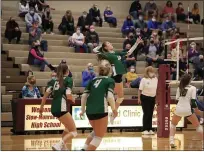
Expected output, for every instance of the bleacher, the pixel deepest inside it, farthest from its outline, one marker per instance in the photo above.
(14, 59)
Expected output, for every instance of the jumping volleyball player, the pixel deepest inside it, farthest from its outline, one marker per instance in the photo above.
(106, 52)
(186, 97)
(61, 90)
(96, 97)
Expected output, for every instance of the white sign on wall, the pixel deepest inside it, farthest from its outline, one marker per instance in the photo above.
(33, 121)
(128, 116)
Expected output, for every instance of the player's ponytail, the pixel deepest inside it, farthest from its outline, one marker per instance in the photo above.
(185, 80)
(62, 69)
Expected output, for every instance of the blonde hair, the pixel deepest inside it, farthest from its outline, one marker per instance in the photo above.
(29, 78)
(147, 70)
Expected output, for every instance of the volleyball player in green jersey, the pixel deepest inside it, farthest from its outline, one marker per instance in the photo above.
(106, 52)
(61, 90)
(96, 97)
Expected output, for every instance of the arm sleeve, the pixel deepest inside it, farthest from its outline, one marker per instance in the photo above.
(40, 20)
(37, 92)
(35, 55)
(26, 20)
(110, 95)
(193, 98)
(85, 75)
(24, 92)
(141, 87)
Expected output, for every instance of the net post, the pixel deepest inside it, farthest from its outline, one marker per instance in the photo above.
(163, 102)
(178, 53)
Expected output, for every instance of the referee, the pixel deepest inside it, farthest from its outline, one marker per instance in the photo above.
(146, 97)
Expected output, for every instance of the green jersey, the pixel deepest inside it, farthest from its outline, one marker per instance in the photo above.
(59, 102)
(115, 59)
(98, 89)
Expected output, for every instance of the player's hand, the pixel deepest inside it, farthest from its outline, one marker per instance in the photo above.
(115, 113)
(41, 110)
(139, 40)
(81, 114)
(139, 101)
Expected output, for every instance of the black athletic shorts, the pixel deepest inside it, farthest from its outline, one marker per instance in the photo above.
(96, 116)
(59, 114)
(118, 78)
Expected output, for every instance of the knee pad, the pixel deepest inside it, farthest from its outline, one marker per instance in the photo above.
(119, 100)
(66, 130)
(74, 133)
(172, 126)
(96, 141)
(92, 134)
(199, 129)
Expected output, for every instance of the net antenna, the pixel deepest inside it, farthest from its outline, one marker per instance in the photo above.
(177, 49)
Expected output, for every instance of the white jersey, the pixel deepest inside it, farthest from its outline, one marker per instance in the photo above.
(183, 107)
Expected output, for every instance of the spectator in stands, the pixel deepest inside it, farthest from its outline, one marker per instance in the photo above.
(67, 24)
(29, 90)
(182, 66)
(23, 8)
(35, 57)
(84, 22)
(195, 13)
(109, 17)
(174, 45)
(153, 24)
(31, 17)
(96, 15)
(47, 22)
(131, 76)
(152, 53)
(130, 40)
(192, 52)
(34, 33)
(33, 4)
(151, 9)
(146, 33)
(88, 75)
(181, 16)
(130, 60)
(172, 66)
(78, 40)
(199, 67)
(92, 39)
(169, 10)
(140, 23)
(12, 30)
(128, 26)
(135, 8)
(168, 27)
(42, 5)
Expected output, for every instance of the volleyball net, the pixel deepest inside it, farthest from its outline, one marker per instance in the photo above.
(178, 41)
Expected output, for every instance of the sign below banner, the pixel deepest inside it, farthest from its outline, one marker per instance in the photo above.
(128, 116)
(33, 121)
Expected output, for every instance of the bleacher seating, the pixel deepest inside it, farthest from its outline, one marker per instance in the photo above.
(16, 54)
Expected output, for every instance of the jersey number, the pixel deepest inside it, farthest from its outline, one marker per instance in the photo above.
(96, 84)
(56, 86)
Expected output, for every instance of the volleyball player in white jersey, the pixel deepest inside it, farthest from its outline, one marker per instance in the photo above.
(186, 97)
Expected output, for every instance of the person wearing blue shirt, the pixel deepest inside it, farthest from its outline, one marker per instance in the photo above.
(168, 27)
(128, 26)
(108, 16)
(153, 24)
(30, 90)
(88, 75)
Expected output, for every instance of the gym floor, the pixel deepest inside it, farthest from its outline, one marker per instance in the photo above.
(185, 140)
